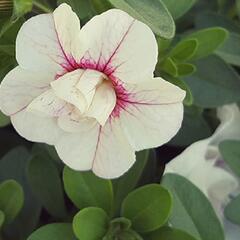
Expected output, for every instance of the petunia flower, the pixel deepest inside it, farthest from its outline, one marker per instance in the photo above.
(90, 92)
(204, 166)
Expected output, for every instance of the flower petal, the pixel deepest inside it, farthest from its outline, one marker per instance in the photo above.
(103, 103)
(150, 113)
(35, 128)
(113, 155)
(46, 42)
(120, 46)
(20, 87)
(48, 104)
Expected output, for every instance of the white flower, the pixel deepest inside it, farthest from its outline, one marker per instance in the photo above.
(90, 92)
(203, 165)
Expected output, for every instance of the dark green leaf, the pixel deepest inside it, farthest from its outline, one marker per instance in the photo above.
(87, 190)
(232, 210)
(11, 199)
(46, 183)
(54, 231)
(192, 212)
(147, 207)
(2, 219)
(214, 83)
(90, 224)
(101, 6)
(209, 40)
(126, 183)
(154, 13)
(230, 151)
(180, 7)
(4, 120)
(167, 233)
(184, 50)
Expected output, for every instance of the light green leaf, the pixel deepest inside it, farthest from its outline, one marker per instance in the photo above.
(46, 183)
(214, 83)
(230, 50)
(192, 212)
(180, 7)
(4, 120)
(184, 50)
(147, 207)
(11, 199)
(232, 210)
(54, 231)
(169, 67)
(21, 7)
(167, 233)
(209, 40)
(154, 13)
(230, 151)
(90, 224)
(87, 190)
(185, 69)
(126, 183)
(2, 218)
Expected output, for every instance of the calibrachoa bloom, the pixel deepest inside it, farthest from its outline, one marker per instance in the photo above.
(90, 92)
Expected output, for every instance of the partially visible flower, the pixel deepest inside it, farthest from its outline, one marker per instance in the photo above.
(203, 164)
(90, 92)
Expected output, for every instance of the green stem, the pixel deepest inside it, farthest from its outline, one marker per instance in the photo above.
(42, 7)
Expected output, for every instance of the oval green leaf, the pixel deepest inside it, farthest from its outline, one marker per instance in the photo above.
(232, 210)
(147, 207)
(87, 190)
(154, 13)
(90, 224)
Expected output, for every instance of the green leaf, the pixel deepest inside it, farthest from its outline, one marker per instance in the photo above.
(185, 69)
(214, 83)
(167, 233)
(46, 183)
(126, 183)
(101, 6)
(2, 218)
(11, 199)
(154, 13)
(184, 50)
(21, 7)
(169, 67)
(147, 207)
(192, 212)
(87, 190)
(54, 231)
(230, 151)
(82, 8)
(209, 40)
(230, 50)
(232, 210)
(90, 224)
(180, 7)
(4, 120)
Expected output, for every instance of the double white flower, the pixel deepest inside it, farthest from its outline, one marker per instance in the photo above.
(90, 92)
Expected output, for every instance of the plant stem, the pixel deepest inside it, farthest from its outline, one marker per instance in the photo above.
(42, 7)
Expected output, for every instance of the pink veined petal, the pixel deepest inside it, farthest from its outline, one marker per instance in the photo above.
(47, 44)
(20, 87)
(120, 46)
(113, 155)
(150, 113)
(48, 104)
(35, 128)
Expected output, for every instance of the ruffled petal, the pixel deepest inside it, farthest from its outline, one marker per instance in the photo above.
(20, 87)
(120, 46)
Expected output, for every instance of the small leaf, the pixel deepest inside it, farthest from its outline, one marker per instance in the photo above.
(169, 66)
(185, 69)
(90, 224)
(232, 210)
(230, 151)
(167, 233)
(2, 218)
(46, 183)
(195, 211)
(209, 40)
(11, 199)
(184, 50)
(147, 207)
(154, 13)
(54, 231)
(87, 190)
(180, 7)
